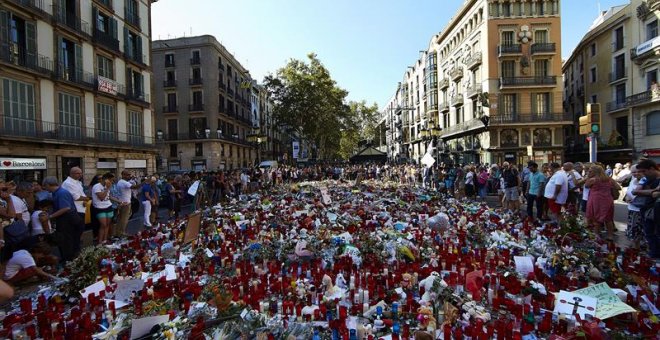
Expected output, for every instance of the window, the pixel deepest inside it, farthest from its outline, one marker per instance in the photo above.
(618, 39)
(506, 9)
(105, 67)
(173, 151)
(18, 105)
(70, 116)
(132, 13)
(541, 37)
(199, 150)
(652, 30)
(594, 99)
(541, 68)
(172, 129)
(653, 123)
(135, 129)
(171, 102)
(104, 24)
(197, 128)
(196, 73)
(593, 49)
(171, 78)
(508, 68)
(221, 103)
(541, 103)
(18, 37)
(133, 45)
(105, 122)
(651, 78)
(70, 60)
(508, 38)
(135, 84)
(509, 105)
(620, 93)
(619, 67)
(592, 75)
(195, 57)
(459, 115)
(169, 60)
(197, 99)
(540, 8)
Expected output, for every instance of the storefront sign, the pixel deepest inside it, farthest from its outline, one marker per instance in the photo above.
(648, 45)
(135, 164)
(22, 163)
(106, 165)
(509, 156)
(651, 153)
(107, 85)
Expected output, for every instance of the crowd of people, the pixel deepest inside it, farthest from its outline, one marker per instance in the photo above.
(39, 217)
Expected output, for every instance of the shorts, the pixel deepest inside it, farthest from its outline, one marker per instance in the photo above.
(511, 194)
(105, 213)
(553, 206)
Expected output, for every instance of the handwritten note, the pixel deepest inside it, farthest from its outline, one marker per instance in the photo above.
(609, 304)
(572, 303)
(524, 264)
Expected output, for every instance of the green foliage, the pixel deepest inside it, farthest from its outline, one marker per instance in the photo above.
(309, 104)
(84, 270)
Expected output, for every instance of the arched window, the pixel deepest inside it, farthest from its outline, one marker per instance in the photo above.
(653, 123)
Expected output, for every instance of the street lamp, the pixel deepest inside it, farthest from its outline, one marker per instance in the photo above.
(207, 132)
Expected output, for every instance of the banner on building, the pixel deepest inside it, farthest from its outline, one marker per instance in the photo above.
(296, 149)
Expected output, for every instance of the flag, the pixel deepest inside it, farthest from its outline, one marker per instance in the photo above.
(246, 84)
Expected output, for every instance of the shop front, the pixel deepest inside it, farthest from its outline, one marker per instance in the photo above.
(137, 167)
(105, 165)
(22, 169)
(198, 165)
(652, 154)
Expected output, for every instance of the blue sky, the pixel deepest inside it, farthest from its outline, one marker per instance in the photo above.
(366, 44)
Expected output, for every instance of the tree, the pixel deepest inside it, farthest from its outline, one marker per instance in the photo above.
(308, 102)
(361, 126)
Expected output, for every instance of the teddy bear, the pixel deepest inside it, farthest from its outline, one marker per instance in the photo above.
(426, 319)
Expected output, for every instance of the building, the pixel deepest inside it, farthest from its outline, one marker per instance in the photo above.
(486, 89)
(75, 78)
(616, 64)
(204, 105)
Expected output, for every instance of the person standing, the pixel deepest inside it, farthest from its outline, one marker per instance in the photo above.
(649, 188)
(23, 190)
(600, 205)
(125, 188)
(68, 220)
(556, 191)
(483, 180)
(469, 182)
(536, 181)
(74, 186)
(635, 230)
(511, 186)
(103, 205)
(148, 199)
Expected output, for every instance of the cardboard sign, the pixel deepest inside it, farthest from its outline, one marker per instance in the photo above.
(571, 303)
(192, 228)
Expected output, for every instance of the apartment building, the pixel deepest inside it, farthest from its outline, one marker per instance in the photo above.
(486, 89)
(616, 64)
(75, 78)
(204, 103)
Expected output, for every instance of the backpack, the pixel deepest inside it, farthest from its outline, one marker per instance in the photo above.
(16, 232)
(511, 178)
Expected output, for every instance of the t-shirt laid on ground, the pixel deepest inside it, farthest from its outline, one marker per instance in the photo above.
(559, 178)
(20, 260)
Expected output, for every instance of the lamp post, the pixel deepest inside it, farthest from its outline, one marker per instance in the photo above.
(207, 133)
(180, 160)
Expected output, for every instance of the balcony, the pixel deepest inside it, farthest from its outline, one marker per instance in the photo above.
(473, 60)
(615, 105)
(444, 83)
(505, 119)
(620, 74)
(528, 81)
(76, 76)
(195, 61)
(132, 18)
(36, 6)
(106, 40)
(169, 83)
(444, 107)
(456, 73)
(202, 135)
(473, 90)
(645, 50)
(456, 100)
(39, 131)
(195, 107)
(543, 48)
(71, 21)
(222, 85)
(509, 49)
(37, 63)
(170, 108)
(195, 81)
(463, 127)
(580, 92)
(230, 92)
(432, 108)
(138, 96)
(641, 98)
(170, 63)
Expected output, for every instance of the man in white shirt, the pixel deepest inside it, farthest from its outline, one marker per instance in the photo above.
(125, 188)
(556, 191)
(74, 186)
(23, 190)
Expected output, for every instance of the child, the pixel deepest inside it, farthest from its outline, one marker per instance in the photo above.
(40, 221)
(22, 266)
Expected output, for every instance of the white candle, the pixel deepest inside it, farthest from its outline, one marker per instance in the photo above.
(385, 271)
(360, 295)
(366, 296)
(351, 284)
(365, 307)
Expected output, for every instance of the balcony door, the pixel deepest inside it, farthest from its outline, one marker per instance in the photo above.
(70, 117)
(172, 129)
(18, 108)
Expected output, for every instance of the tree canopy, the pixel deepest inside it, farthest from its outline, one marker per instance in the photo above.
(310, 105)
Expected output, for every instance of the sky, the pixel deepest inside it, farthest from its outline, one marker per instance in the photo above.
(366, 45)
